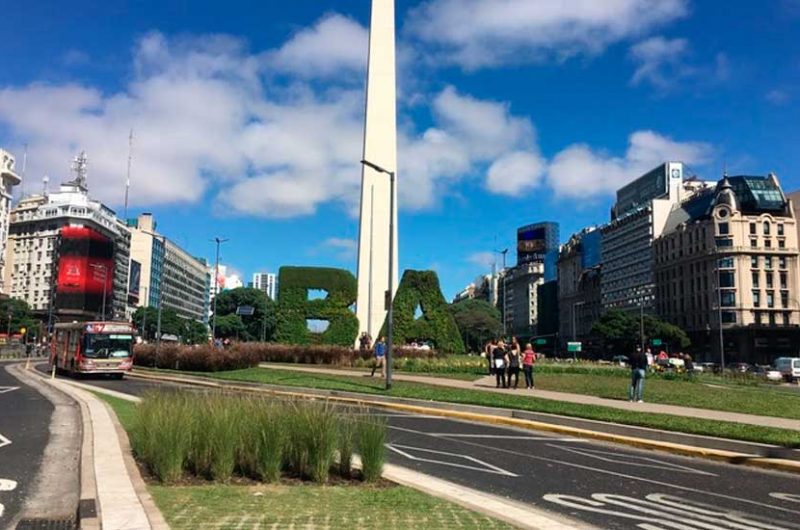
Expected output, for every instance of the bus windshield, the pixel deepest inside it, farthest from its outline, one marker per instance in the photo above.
(107, 346)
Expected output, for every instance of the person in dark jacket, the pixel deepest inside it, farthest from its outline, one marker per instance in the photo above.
(638, 362)
(500, 362)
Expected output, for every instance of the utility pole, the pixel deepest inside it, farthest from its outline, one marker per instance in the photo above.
(218, 241)
(641, 323)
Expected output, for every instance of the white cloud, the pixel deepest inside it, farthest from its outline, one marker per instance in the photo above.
(665, 64)
(484, 33)
(335, 46)
(581, 172)
(515, 172)
(482, 259)
(778, 96)
(346, 249)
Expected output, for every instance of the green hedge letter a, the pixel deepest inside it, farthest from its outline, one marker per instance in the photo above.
(295, 309)
(421, 289)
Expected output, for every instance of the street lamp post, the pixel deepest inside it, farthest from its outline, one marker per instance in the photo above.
(218, 242)
(144, 314)
(505, 306)
(103, 268)
(390, 290)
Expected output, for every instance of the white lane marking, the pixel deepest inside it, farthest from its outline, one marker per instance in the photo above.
(485, 467)
(7, 485)
(4, 389)
(660, 511)
(503, 437)
(4, 441)
(632, 460)
(791, 497)
(615, 473)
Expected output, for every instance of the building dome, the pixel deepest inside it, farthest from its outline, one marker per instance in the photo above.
(725, 195)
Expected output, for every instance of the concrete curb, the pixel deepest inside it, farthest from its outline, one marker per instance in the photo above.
(731, 457)
(108, 469)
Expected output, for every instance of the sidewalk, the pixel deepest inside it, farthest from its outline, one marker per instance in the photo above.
(487, 384)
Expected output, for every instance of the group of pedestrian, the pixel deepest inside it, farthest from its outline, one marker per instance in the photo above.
(506, 360)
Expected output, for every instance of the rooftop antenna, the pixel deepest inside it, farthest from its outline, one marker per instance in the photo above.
(45, 183)
(79, 164)
(128, 179)
(725, 168)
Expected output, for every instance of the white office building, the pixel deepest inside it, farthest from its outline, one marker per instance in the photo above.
(8, 179)
(266, 282)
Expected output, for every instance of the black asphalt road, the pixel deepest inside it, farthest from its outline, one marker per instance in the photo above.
(609, 486)
(24, 433)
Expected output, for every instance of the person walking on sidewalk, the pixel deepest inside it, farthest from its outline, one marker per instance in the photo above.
(500, 360)
(638, 362)
(488, 350)
(380, 358)
(514, 358)
(528, 359)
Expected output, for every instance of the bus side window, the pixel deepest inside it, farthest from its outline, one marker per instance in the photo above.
(73, 343)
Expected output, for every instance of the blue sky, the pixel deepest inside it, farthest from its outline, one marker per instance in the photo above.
(248, 115)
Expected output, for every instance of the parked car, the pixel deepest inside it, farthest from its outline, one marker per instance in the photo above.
(740, 368)
(767, 372)
(712, 368)
(789, 367)
(621, 360)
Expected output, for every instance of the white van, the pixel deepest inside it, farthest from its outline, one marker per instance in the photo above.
(789, 367)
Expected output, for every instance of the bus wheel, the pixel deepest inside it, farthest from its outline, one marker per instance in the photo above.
(118, 377)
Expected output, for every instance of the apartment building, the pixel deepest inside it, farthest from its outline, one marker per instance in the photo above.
(726, 270)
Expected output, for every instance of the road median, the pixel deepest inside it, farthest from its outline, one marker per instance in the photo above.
(490, 416)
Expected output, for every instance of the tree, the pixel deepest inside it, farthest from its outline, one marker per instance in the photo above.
(258, 326)
(621, 332)
(15, 315)
(189, 331)
(478, 322)
(231, 327)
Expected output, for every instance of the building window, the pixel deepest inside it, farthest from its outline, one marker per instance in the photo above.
(786, 319)
(754, 262)
(781, 243)
(728, 298)
(780, 230)
(756, 278)
(726, 263)
(753, 229)
(767, 243)
(724, 242)
(768, 262)
(782, 262)
(728, 317)
(783, 280)
(756, 298)
(769, 280)
(772, 319)
(753, 243)
(757, 318)
(770, 299)
(766, 228)
(726, 279)
(723, 229)
(784, 299)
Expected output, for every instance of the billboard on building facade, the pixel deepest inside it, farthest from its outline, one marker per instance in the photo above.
(85, 270)
(134, 280)
(535, 241)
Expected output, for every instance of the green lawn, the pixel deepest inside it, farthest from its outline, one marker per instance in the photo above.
(523, 401)
(311, 507)
(305, 506)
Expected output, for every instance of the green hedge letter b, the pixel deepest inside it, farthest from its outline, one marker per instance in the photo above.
(295, 309)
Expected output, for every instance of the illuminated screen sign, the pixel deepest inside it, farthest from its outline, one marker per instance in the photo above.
(534, 242)
(135, 278)
(85, 269)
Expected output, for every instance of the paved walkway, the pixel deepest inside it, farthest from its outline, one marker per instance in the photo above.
(487, 384)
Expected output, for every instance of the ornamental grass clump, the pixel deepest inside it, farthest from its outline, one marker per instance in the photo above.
(371, 445)
(217, 436)
(160, 438)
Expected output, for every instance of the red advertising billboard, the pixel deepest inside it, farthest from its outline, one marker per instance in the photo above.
(85, 269)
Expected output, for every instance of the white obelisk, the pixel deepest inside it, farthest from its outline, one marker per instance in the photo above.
(380, 149)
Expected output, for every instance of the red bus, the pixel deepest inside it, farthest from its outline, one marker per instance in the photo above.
(93, 348)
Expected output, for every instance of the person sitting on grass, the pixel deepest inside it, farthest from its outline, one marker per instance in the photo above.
(380, 357)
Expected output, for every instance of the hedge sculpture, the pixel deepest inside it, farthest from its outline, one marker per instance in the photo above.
(421, 288)
(294, 307)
